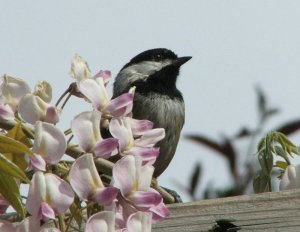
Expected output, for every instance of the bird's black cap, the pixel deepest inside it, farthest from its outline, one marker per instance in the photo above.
(156, 54)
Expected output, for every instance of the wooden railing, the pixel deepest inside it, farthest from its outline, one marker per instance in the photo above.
(275, 211)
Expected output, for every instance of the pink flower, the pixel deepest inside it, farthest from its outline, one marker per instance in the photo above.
(35, 106)
(12, 90)
(146, 138)
(134, 181)
(101, 222)
(94, 89)
(6, 112)
(48, 196)
(49, 145)
(86, 182)
(32, 108)
(86, 130)
(139, 222)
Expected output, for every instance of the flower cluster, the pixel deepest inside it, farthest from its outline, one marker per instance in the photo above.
(122, 201)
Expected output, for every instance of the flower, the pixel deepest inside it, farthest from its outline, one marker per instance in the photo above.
(35, 106)
(86, 130)
(12, 90)
(290, 178)
(94, 89)
(134, 179)
(146, 137)
(48, 196)
(101, 222)
(49, 145)
(87, 184)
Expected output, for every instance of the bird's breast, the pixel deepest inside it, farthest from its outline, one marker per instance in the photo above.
(162, 110)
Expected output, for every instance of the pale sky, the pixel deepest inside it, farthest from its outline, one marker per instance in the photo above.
(235, 45)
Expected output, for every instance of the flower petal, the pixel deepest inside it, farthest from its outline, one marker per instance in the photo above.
(150, 137)
(49, 142)
(37, 162)
(145, 178)
(159, 211)
(32, 108)
(6, 113)
(36, 193)
(125, 173)
(12, 90)
(27, 225)
(105, 147)
(105, 195)
(84, 177)
(105, 75)
(139, 222)
(86, 129)
(148, 154)
(95, 91)
(79, 69)
(120, 106)
(44, 90)
(138, 127)
(145, 200)
(6, 226)
(52, 115)
(45, 212)
(120, 129)
(101, 222)
(59, 193)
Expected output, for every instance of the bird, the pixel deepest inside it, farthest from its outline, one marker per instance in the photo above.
(154, 74)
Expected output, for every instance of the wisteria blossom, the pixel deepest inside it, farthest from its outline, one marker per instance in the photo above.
(121, 128)
(101, 222)
(86, 130)
(125, 195)
(48, 196)
(12, 90)
(105, 222)
(49, 145)
(134, 180)
(36, 106)
(87, 184)
(29, 224)
(290, 178)
(93, 88)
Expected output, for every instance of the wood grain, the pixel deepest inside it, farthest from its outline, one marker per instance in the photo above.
(276, 211)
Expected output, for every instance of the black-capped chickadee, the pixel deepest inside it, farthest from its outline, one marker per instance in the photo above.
(154, 73)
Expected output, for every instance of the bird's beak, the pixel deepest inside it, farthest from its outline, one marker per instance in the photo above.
(181, 60)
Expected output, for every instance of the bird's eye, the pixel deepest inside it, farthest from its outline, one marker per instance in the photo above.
(157, 57)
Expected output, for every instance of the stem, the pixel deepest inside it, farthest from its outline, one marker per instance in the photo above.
(67, 99)
(71, 218)
(61, 221)
(62, 96)
(69, 140)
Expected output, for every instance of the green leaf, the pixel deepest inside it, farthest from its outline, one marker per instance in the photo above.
(261, 144)
(17, 133)
(261, 182)
(9, 145)
(8, 167)
(266, 162)
(287, 144)
(10, 191)
(280, 152)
